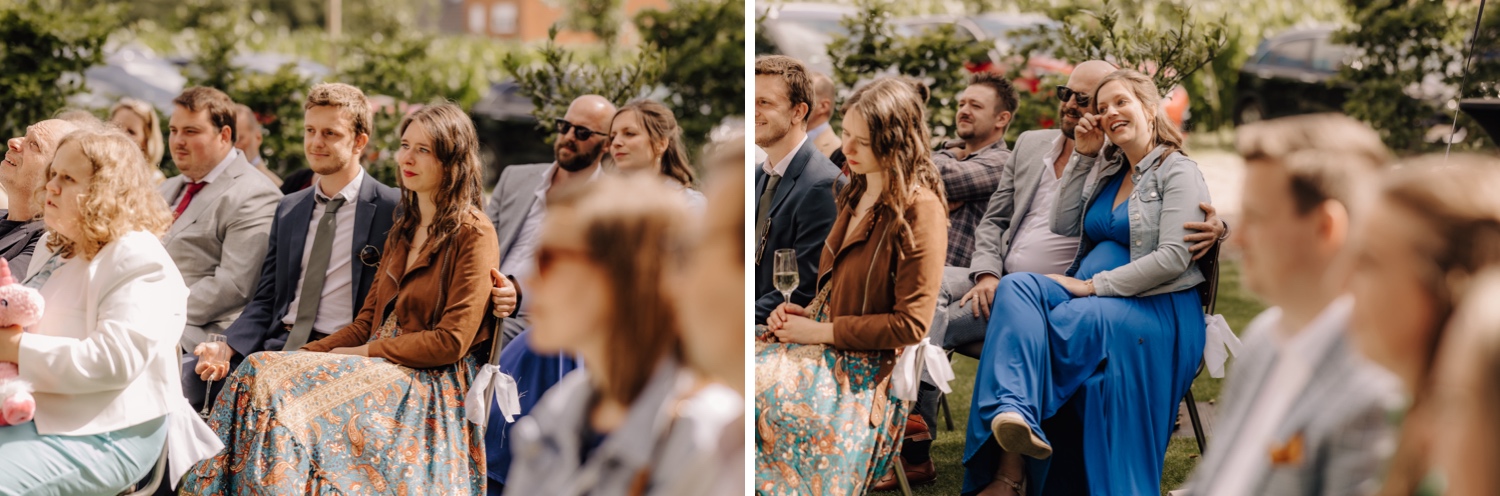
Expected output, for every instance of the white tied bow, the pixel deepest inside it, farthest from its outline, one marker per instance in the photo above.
(1219, 344)
(490, 378)
(905, 378)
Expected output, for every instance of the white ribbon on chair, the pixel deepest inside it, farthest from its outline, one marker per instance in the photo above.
(490, 378)
(1219, 344)
(907, 376)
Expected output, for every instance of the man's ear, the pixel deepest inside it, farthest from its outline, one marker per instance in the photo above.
(1003, 120)
(360, 141)
(802, 111)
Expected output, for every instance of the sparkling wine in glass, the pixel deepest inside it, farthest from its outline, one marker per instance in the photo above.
(784, 272)
(218, 356)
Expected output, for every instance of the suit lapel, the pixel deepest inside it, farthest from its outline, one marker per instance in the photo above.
(800, 158)
(515, 204)
(298, 220)
(201, 203)
(364, 222)
(1027, 182)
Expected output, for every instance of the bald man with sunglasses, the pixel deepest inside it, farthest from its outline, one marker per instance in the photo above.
(519, 203)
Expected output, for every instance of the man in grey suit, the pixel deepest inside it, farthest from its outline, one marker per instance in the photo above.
(23, 174)
(519, 202)
(1302, 413)
(223, 209)
(339, 226)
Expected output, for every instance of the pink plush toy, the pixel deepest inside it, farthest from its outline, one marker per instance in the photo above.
(19, 306)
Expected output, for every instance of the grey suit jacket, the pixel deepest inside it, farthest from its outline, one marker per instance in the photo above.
(219, 243)
(1018, 182)
(512, 200)
(1341, 416)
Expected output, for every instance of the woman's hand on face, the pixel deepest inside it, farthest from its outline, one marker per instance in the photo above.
(1074, 286)
(1089, 135)
(10, 343)
(361, 350)
(802, 330)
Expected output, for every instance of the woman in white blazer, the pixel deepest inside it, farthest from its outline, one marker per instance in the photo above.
(103, 359)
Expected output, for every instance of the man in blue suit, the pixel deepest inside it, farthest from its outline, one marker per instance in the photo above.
(325, 243)
(794, 187)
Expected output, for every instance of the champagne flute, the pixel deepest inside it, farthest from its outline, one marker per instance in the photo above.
(784, 272)
(217, 355)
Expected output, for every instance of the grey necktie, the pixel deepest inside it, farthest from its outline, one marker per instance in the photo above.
(312, 279)
(763, 207)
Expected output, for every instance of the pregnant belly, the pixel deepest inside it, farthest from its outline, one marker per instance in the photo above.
(1104, 256)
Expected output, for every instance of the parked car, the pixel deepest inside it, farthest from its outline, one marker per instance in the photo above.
(1291, 74)
(801, 31)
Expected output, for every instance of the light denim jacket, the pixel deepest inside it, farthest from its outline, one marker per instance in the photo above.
(1166, 197)
(670, 437)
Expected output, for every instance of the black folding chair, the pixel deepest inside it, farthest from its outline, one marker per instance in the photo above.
(1208, 291)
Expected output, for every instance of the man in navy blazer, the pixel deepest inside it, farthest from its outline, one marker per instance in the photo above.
(794, 187)
(336, 132)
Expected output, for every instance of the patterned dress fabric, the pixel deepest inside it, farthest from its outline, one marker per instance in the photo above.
(826, 421)
(325, 424)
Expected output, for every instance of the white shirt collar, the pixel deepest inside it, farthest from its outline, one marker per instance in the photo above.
(814, 132)
(780, 168)
(223, 164)
(1057, 149)
(349, 193)
(1320, 333)
(547, 177)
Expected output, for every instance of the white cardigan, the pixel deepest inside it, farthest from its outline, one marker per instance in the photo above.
(104, 356)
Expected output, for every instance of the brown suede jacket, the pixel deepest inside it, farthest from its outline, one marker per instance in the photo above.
(884, 288)
(431, 336)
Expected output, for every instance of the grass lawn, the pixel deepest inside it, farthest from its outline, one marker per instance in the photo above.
(1237, 306)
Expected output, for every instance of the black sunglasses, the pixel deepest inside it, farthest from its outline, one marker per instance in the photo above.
(1064, 93)
(580, 132)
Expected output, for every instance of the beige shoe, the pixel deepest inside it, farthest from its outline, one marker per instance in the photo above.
(1015, 436)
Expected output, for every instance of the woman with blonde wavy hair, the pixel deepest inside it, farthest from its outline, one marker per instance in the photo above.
(823, 373)
(1105, 352)
(140, 122)
(103, 358)
(1434, 225)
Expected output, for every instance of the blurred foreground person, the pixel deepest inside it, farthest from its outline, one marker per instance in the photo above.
(1299, 390)
(1433, 226)
(1466, 442)
(631, 421)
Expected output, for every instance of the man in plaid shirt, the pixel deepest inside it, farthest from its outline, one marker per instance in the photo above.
(970, 165)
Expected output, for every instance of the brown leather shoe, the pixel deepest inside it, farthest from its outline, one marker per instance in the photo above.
(916, 475)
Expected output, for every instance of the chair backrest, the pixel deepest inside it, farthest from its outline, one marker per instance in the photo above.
(1208, 290)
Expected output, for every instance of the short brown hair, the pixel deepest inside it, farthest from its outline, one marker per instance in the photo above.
(633, 227)
(121, 195)
(799, 84)
(1328, 156)
(350, 101)
(1004, 89)
(221, 111)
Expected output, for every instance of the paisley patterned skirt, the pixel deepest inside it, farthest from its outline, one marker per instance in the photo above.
(826, 422)
(321, 423)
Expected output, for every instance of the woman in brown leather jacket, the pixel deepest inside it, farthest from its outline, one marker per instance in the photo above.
(824, 382)
(378, 406)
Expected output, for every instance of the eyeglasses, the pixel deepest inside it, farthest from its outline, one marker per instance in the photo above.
(548, 256)
(582, 133)
(1065, 93)
(370, 256)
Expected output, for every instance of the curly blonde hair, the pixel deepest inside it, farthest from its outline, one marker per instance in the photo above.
(121, 196)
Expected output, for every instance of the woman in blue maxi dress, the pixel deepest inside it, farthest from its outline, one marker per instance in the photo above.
(1097, 378)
